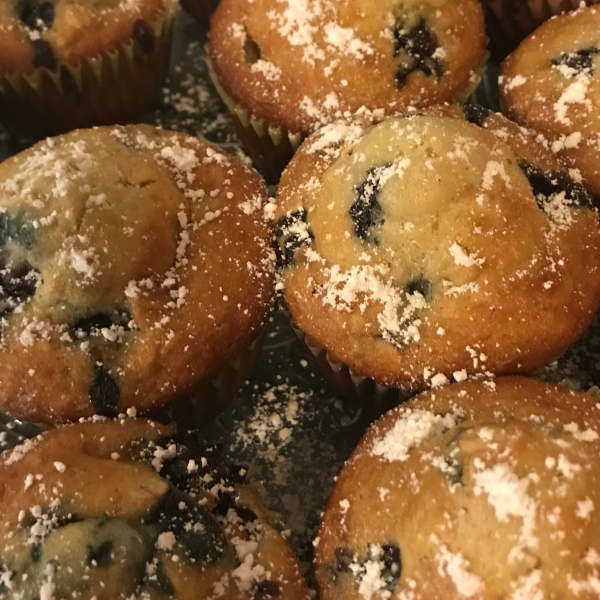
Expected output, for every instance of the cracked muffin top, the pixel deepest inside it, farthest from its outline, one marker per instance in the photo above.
(44, 33)
(479, 490)
(125, 510)
(302, 64)
(134, 262)
(426, 248)
(551, 83)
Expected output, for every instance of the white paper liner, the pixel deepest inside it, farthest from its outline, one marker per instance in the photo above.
(270, 147)
(216, 392)
(363, 391)
(105, 89)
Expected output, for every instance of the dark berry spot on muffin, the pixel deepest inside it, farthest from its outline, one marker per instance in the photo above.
(343, 559)
(36, 15)
(365, 211)
(104, 392)
(266, 590)
(252, 52)
(18, 283)
(419, 285)
(454, 471)
(416, 48)
(144, 36)
(12, 229)
(545, 186)
(43, 55)
(35, 553)
(292, 232)
(578, 62)
(100, 556)
(392, 559)
(475, 113)
(93, 324)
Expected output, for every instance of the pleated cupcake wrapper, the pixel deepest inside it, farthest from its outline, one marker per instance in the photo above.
(215, 393)
(357, 389)
(201, 10)
(270, 147)
(106, 89)
(510, 21)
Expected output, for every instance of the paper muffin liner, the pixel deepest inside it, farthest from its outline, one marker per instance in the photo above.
(106, 89)
(270, 147)
(201, 10)
(216, 392)
(510, 21)
(364, 392)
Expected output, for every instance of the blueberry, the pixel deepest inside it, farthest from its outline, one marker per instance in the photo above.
(475, 113)
(37, 15)
(454, 471)
(104, 392)
(416, 48)
(266, 590)
(292, 232)
(92, 324)
(545, 184)
(365, 211)
(12, 229)
(101, 555)
(343, 558)
(392, 562)
(43, 55)
(144, 36)
(581, 61)
(420, 285)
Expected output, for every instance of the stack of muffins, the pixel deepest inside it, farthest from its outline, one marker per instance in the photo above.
(423, 243)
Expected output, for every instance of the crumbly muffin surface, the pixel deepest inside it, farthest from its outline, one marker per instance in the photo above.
(301, 64)
(125, 510)
(135, 262)
(424, 248)
(551, 83)
(481, 490)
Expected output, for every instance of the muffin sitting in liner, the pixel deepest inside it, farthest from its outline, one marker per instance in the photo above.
(551, 83)
(74, 63)
(482, 490)
(125, 511)
(287, 67)
(136, 264)
(426, 248)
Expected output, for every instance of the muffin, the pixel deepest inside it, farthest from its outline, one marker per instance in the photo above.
(136, 264)
(551, 84)
(116, 510)
(286, 69)
(480, 490)
(509, 21)
(425, 248)
(70, 63)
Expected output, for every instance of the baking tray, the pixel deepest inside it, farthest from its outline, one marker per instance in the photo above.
(286, 424)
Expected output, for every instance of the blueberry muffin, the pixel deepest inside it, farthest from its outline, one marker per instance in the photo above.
(427, 248)
(125, 510)
(73, 63)
(289, 68)
(135, 264)
(551, 83)
(480, 490)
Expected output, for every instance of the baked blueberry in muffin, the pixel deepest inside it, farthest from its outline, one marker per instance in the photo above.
(135, 263)
(125, 510)
(480, 490)
(426, 248)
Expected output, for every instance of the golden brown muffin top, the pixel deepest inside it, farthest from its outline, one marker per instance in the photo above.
(551, 83)
(124, 510)
(425, 248)
(135, 262)
(42, 33)
(302, 64)
(481, 490)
